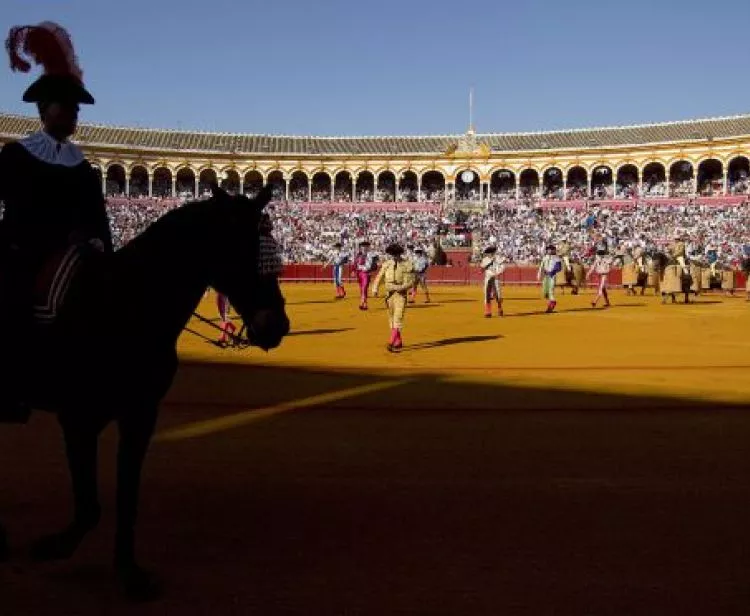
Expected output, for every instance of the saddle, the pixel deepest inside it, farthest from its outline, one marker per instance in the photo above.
(53, 281)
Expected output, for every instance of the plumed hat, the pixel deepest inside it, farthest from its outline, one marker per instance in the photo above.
(48, 45)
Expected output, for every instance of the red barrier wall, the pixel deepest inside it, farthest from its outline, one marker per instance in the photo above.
(465, 274)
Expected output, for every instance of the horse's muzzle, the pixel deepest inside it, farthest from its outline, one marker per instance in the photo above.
(267, 329)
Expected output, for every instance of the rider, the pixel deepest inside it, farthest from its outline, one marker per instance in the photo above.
(53, 200)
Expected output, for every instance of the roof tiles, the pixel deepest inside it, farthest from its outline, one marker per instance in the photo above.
(715, 128)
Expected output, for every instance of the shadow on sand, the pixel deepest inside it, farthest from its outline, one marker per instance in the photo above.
(432, 495)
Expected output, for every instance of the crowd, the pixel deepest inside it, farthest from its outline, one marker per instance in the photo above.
(306, 235)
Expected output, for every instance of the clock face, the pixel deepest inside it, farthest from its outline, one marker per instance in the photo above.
(467, 177)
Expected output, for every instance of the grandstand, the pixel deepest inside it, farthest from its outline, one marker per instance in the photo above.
(707, 158)
(633, 185)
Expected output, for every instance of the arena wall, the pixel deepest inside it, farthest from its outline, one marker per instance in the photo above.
(442, 275)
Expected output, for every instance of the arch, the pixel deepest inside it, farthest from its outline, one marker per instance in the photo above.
(230, 181)
(138, 185)
(252, 183)
(502, 184)
(185, 182)
(738, 175)
(408, 186)
(342, 186)
(467, 189)
(433, 186)
(602, 182)
(205, 179)
(577, 183)
(552, 183)
(365, 186)
(654, 180)
(278, 184)
(115, 184)
(386, 186)
(626, 181)
(681, 173)
(161, 182)
(710, 177)
(321, 186)
(299, 186)
(528, 182)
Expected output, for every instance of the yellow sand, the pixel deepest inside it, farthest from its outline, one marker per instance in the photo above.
(639, 346)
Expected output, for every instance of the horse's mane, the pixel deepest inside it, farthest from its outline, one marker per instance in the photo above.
(179, 225)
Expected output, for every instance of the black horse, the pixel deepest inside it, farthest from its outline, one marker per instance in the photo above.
(111, 356)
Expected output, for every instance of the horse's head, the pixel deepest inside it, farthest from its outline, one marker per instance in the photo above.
(242, 268)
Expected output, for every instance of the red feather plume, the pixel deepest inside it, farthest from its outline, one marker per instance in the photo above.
(47, 44)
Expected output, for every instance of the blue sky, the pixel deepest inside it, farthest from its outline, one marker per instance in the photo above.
(336, 67)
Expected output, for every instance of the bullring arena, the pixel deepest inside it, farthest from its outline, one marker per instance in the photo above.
(585, 461)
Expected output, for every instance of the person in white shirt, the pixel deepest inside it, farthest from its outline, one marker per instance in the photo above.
(550, 265)
(420, 263)
(493, 266)
(601, 267)
(338, 258)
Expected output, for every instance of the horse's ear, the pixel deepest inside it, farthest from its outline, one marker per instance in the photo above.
(218, 192)
(263, 198)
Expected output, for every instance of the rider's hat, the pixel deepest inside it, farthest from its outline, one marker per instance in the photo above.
(49, 45)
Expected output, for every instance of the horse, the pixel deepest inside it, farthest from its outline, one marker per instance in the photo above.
(674, 280)
(439, 257)
(111, 355)
(656, 263)
(575, 278)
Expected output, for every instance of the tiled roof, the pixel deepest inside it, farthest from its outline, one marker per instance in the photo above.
(578, 139)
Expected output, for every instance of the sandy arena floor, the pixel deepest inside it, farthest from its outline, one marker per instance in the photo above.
(638, 347)
(585, 462)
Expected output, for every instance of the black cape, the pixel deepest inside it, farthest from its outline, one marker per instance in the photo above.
(47, 204)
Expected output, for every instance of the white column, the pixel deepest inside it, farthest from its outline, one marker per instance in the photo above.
(127, 185)
(375, 189)
(286, 190)
(104, 182)
(695, 182)
(309, 189)
(565, 187)
(195, 194)
(174, 185)
(150, 184)
(726, 182)
(640, 183)
(419, 189)
(242, 185)
(354, 189)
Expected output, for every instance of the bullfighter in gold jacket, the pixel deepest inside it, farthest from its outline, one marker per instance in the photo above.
(398, 276)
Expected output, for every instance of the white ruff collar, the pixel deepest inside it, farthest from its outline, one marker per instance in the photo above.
(43, 147)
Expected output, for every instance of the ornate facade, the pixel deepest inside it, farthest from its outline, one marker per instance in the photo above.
(705, 157)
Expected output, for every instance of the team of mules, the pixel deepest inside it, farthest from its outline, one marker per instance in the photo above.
(669, 280)
(111, 356)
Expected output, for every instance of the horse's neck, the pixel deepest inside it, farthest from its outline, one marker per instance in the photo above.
(164, 277)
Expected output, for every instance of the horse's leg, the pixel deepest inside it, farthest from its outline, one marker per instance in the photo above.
(135, 435)
(81, 443)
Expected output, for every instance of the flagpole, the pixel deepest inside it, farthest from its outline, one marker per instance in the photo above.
(471, 109)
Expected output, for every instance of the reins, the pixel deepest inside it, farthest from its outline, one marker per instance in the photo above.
(237, 340)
